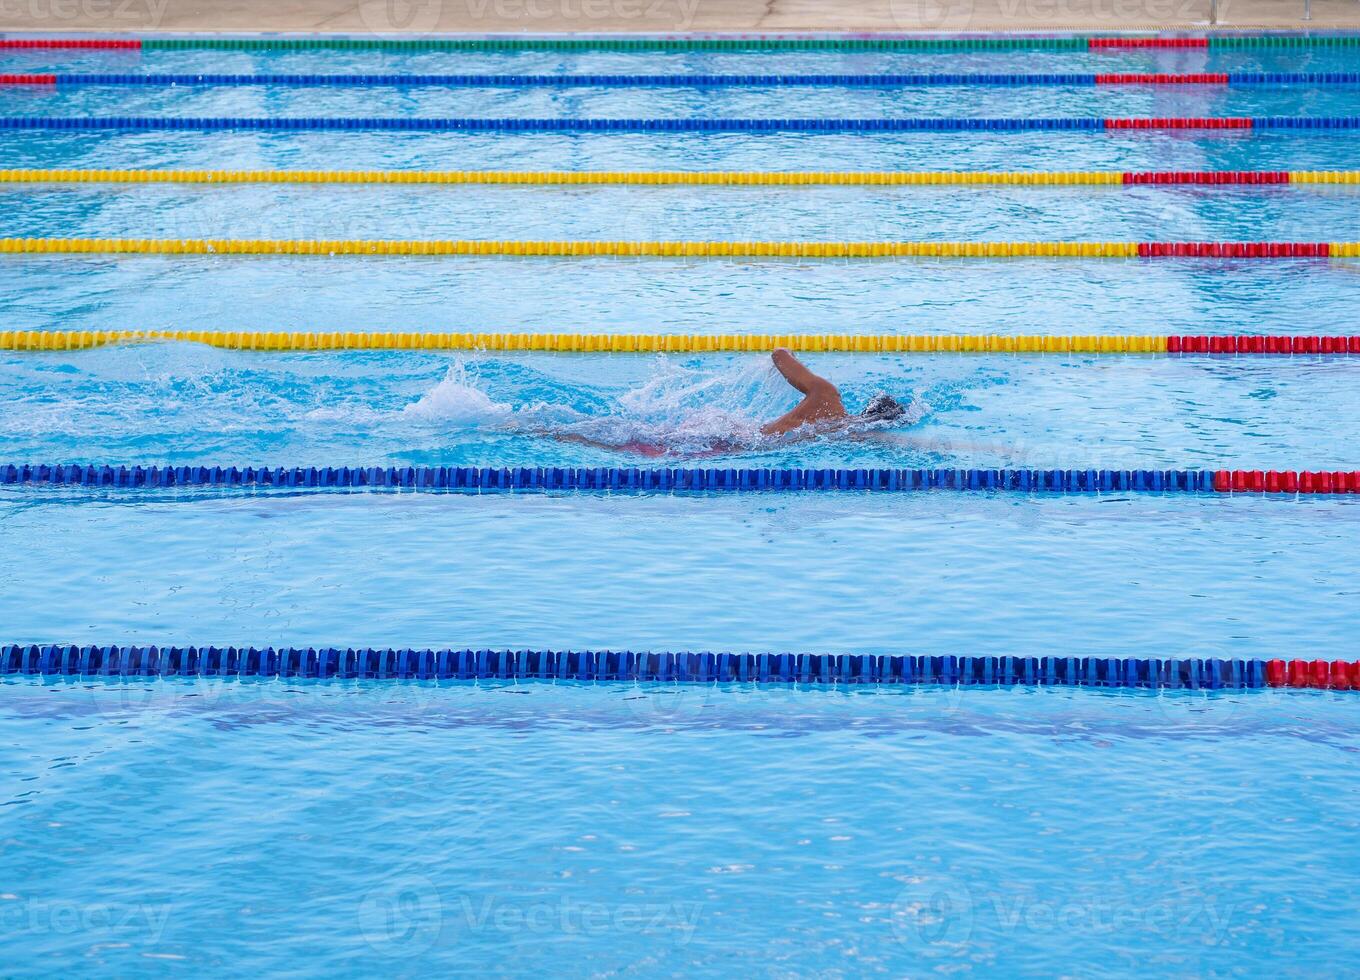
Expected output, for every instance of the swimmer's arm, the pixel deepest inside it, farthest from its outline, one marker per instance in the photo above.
(786, 423)
(816, 390)
(797, 374)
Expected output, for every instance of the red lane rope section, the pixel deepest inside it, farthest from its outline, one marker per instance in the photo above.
(12, 43)
(1202, 122)
(1287, 481)
(1202, 78)
(1261, 344)
(1234, 250)
(1207, 177)
(28, 79)
(1341, 675)
(1096, 43)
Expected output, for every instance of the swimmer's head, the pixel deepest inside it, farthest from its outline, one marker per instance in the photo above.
(882, 408)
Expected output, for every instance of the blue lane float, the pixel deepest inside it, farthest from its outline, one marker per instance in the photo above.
(331, 663)
(607, 478)
(683, 125)
(525, 125)
(881, 80)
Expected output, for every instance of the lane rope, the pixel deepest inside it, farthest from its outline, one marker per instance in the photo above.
(733, 178)
(267, 340)
(681, 480)
(882, 80)
(582, 249)
(1002, 42)
(326, 663)
(679, 125)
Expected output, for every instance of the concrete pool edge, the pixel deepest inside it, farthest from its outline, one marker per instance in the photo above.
(393, 17)
(131, 37)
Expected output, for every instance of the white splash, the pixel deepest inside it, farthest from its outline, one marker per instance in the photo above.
(678, 410)
(456, 400)
(689, 410)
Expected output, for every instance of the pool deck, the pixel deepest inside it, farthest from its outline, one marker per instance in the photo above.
(394, 17)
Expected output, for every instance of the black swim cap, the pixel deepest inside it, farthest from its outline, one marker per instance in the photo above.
(883, 408)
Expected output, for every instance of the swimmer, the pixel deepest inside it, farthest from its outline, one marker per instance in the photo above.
(821, 412)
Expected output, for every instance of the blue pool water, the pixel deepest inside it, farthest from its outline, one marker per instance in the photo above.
(355, 828)
(203, 406)
(1099, 576)
(350, 830)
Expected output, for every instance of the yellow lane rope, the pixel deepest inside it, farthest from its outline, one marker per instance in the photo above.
(36, 340)
(797, 250)
(726, 178)
(801, 250)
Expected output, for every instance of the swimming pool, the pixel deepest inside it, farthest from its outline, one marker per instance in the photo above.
(354, 826)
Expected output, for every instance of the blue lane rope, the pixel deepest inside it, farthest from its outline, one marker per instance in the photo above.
(666, 81)
(471, 125)
(601, 665)
(1293, 78)
(687, 125)
(617, 478)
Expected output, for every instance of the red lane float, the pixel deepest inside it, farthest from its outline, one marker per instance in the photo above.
(1096, 43)
(1234, 250)
(1162, 78)
(1189, 122)
(1261, 344)
(1337, 675)
(1208, 177)
(1287, 481)
(50, 44)
(28, 79)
